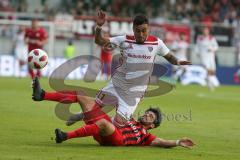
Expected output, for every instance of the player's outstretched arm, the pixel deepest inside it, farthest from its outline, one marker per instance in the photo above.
(183, 142)
(173, 60)
(99, 39)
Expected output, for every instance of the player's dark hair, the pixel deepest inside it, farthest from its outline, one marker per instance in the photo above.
(181, 33)
(158, 114)
(34, 19)
(140, 19)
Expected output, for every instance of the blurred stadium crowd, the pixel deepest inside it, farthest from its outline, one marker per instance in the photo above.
(223, 11)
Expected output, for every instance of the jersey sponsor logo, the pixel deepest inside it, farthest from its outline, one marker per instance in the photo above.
(150, 49)
(145, 43)
(139, 56)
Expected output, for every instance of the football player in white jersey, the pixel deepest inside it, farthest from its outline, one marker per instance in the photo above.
(138, 54)
(20, 47)
(179, 47)
(206, 48)
(130, 80)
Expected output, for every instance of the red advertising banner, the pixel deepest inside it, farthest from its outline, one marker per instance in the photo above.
(170, 32)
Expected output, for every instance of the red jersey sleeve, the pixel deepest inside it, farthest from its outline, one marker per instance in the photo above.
(26, 33)
(43, 34)
(149, 139)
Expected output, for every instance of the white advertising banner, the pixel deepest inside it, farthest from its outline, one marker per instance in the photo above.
(9, 67)
(194, 75)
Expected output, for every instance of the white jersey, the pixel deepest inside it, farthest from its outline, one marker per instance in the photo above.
(180, 48)
(21, 50)
(130, 80)
(206, 47)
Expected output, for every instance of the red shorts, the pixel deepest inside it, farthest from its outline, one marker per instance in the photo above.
(92, 117)
(106, 56)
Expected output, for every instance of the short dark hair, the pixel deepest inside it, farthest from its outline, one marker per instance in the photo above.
(140, 19)
(158, 114)
(34, 19)
(181, 33)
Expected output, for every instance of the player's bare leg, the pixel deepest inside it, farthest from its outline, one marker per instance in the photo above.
(79, 116)
(87, 104)
(106, 127)
(119, 120)
(74, 118)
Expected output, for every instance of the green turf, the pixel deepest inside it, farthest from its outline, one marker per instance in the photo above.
(26, 130)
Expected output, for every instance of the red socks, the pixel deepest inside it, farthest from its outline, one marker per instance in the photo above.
(62, 97)
(87, 130)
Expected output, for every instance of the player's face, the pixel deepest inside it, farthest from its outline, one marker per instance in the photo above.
(34, 24)
(141, 32)
(182, 37)
(148, 118)
(21, 29)
(206, 31)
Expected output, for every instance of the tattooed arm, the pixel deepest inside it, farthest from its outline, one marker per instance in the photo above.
(99, 39)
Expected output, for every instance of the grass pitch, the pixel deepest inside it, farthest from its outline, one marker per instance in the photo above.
(211, 119)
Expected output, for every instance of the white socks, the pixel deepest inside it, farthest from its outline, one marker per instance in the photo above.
(212, 82)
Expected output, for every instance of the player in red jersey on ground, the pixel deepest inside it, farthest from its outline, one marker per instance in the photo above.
(35, 37)
(100, 126)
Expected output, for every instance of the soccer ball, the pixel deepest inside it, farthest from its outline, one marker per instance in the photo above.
(37, 59)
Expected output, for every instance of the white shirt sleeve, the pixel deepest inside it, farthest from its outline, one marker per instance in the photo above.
(174, 46)
(162, 48)
(197, 47)
(117, 40)
(214, 45)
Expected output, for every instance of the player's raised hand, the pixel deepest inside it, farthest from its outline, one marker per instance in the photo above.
(184, 63)
(101, 18)
(186, 142)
